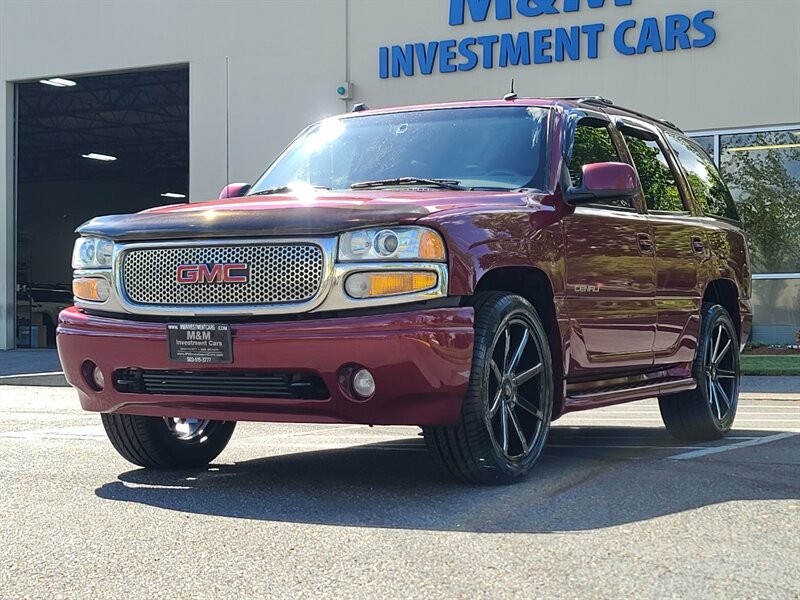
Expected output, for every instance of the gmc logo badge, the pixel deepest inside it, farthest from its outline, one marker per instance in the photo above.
(214, 273)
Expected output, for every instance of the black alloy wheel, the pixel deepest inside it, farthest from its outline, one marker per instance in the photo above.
(708, 411)
(505, 417)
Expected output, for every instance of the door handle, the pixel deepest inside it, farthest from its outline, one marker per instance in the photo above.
(645, 243)
(697, 246)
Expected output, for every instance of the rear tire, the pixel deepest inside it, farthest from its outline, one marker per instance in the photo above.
(162, 443)
(707, 412)
(506, 413)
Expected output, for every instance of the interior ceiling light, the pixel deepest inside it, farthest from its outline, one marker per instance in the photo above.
(96, 156)
(757, 148)
(173, 195)
(58, 82)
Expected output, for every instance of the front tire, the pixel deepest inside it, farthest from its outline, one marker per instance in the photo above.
(505, 417)
(707, 412)
(167, 443)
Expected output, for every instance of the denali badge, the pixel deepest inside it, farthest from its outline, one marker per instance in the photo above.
(214, 273)
(588, 288)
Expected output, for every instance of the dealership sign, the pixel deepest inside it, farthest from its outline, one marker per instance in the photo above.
(542, 45)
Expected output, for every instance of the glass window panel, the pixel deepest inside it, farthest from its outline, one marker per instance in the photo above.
(709, 190)
(763, 172)
(593, 144)
(502, 148)
(658, 182)
(706, 142)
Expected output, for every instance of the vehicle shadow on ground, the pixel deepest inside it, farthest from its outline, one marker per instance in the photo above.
(589, 478)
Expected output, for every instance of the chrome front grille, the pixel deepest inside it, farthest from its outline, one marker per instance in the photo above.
(279, 273)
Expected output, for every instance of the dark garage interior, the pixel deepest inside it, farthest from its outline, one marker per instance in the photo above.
(89, 146)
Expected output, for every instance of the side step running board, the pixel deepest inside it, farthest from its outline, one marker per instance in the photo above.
(588, 399)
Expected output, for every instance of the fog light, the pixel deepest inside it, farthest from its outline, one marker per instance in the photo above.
(363, 383)
(97, 377)
(91, 288)
(93, 376)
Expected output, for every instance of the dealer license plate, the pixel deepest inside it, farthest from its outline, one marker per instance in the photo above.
(203, 343)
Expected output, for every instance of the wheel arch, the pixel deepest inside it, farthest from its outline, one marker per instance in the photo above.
(725, 293)
(535, 286)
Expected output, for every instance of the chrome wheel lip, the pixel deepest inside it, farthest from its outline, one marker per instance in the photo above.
(505, 405)
(721, 371)
(187, 429)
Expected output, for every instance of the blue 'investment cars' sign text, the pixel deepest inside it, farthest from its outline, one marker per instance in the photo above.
(541, 46)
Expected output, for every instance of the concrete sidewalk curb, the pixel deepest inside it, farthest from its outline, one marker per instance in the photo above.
(53, 379)
(776, 397)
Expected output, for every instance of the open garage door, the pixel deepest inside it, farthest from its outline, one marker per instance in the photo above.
(89, 146)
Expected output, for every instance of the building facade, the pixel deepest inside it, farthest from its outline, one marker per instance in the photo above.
(726, 71)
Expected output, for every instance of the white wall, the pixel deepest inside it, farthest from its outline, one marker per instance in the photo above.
(288, 56)
(286, 60)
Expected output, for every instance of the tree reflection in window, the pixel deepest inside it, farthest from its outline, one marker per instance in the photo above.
(658, 183)
(593, 144)
(709, 190)
(763, 171)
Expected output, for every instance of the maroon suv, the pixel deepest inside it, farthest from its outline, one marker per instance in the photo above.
(477, 269)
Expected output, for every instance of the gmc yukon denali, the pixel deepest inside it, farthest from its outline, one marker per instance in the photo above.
(477, 269)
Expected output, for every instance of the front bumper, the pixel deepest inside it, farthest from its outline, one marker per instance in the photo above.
(420, 361)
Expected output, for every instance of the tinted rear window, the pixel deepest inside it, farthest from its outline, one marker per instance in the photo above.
(709, 189)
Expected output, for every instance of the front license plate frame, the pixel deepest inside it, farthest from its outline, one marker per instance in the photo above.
(200, 343)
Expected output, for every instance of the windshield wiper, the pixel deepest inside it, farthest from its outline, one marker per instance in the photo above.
(447, 184)
(280, 189)
(283, 189)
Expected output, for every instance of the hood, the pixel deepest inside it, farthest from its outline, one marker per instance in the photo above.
(320, 213)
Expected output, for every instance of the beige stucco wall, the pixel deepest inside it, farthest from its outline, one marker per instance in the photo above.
(287, 57)
(749, 76)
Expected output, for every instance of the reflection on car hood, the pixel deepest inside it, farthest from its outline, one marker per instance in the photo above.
(319, 213)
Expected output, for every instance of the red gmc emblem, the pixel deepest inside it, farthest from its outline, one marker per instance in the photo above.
(214, 273)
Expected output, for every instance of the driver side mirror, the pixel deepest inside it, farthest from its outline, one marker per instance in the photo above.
(234, 190)
(603, 181)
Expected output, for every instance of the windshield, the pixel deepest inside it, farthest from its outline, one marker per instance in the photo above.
(497, 148)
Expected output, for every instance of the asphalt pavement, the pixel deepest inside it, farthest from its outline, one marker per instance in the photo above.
(615, 509)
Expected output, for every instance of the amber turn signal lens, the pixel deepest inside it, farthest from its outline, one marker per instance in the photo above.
(431, 246)
(95, 289)
(371, 285)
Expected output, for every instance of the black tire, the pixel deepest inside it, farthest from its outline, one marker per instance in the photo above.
(707, 412)
(475, 449)
(151, 442)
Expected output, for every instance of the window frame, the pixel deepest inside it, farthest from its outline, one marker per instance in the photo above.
(622, 154)
(681, 182)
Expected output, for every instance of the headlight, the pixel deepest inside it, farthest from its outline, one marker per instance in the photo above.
(92, 253)
(392, 243)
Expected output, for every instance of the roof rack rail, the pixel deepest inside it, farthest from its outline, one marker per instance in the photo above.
(665, 122)
(596, 100)
(600, 101)
(583, 99)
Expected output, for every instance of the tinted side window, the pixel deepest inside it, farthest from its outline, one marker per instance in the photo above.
(593, 144)
(710, 191)
(658, 182)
